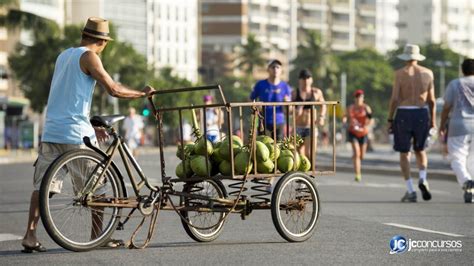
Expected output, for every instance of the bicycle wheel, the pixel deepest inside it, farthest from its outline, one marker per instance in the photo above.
(295, 207)
(65, 213)
(196, 220)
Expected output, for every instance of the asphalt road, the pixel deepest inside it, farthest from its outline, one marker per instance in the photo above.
(355, 227)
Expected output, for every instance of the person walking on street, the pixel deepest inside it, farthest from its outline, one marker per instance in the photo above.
(273, 89)
(359, 116)
(459, 102)
(67, 117)
(214, 120)
(133, 126)
(413, 99)
(307, 93)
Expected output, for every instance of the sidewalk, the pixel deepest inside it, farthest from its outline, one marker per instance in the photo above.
(383, 160)
(17, 156)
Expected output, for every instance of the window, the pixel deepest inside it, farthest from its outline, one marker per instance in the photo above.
(3, 72)
(205, 7)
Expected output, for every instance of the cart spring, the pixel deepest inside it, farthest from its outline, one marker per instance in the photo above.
(261, 186)
(236, 188)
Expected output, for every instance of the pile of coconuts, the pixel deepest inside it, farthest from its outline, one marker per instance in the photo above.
(193, 156)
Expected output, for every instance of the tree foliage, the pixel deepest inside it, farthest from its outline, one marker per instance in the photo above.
(313, 55)
(251, 55)
(369, 71)
(34, 66)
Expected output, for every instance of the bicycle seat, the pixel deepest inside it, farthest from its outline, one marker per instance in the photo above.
(106, 120)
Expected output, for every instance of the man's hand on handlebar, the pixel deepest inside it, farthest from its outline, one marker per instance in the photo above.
(148, 90)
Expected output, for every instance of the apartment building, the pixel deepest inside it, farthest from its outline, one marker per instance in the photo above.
(438, 21)
(225, 26)
(457, 26)
(164, 31)
(386, 18)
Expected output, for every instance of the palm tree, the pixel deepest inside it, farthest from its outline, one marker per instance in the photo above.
(251, 55)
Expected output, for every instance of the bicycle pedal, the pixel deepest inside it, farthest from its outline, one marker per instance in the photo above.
(120, 226)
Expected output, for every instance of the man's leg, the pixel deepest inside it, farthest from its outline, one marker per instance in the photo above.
(422, 162)
(410, 196)
(30, 239)
(405, 164)
(458, 155)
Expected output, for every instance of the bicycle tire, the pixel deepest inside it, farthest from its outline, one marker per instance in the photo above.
(203, 235)
(290, 198)
(60, 205)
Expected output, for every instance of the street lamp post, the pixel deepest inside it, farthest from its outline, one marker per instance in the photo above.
(442, 65)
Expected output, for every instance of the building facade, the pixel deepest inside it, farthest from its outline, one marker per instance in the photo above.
(164, 31)
(438, 21)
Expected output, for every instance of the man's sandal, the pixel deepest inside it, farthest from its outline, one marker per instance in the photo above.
(37, 248)
(113, 243)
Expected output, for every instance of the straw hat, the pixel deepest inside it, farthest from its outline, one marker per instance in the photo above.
(411, 52)
(97, 28)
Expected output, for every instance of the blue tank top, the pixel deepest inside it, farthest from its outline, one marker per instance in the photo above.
(69, 101)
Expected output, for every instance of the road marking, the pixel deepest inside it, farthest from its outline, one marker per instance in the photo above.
(423, 229)
(9, 237)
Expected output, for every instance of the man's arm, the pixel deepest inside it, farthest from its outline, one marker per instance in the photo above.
(431, 101)
(394, 98)
(92, 65)
(444, 118)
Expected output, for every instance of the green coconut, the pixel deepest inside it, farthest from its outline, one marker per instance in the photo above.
(262, 151)
(305, 164)
(188, 150)
(265, 139)
(225, 168)
(203, 146)
(285, 163)
(198, 165)
(183, 170)
(265, 167)
(274, 152)
(216, 157)
(286, 152)
(242, 164)
(297, 161)
(224, 147)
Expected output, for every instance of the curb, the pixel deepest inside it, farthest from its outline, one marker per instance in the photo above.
(433, 174)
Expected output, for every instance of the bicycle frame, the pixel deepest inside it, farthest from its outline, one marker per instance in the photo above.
(128, 160)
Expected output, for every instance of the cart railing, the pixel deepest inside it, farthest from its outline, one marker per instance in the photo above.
(235, 115)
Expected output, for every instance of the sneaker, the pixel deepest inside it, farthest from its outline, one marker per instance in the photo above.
(468, 186)
(425, 190)
(358, 178)
(409, 197)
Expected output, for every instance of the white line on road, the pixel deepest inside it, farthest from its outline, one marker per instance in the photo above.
(423, 229)
(9, 237)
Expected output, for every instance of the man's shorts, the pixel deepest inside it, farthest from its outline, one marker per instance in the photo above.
(48, 152)
(410, 124)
